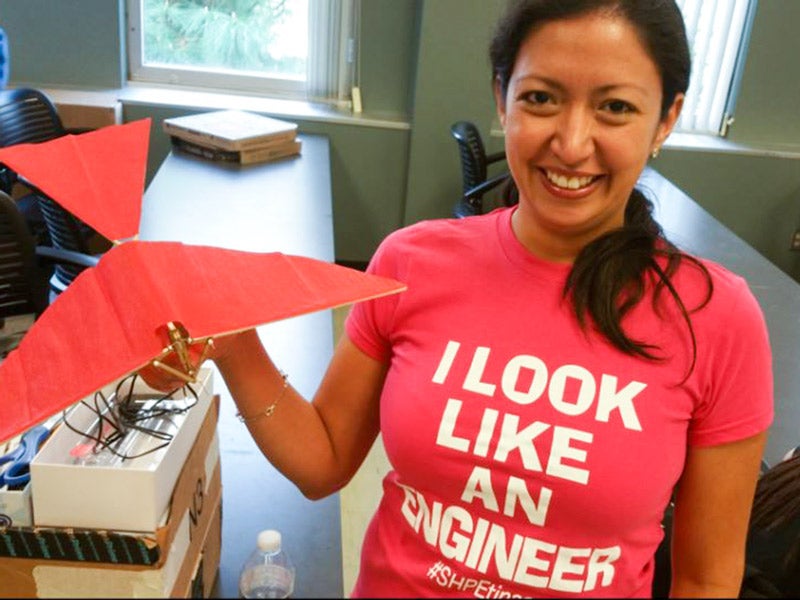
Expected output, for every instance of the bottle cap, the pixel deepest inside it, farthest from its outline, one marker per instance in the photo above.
(269, 540)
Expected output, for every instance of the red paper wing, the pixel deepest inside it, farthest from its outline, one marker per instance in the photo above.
(109, 321)
(97, 176)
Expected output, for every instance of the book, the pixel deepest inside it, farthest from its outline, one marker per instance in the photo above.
(249, 156)
(231, 130)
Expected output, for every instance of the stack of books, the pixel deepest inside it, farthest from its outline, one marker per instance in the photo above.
(233, 136)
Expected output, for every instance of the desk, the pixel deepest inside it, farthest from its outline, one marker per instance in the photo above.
(282, 206)
(696, 231)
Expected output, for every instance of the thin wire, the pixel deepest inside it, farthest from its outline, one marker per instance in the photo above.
(121, 413)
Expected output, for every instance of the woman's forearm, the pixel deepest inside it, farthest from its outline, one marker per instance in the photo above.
(311, 443)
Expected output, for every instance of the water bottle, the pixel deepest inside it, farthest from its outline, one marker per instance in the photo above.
(268, 572)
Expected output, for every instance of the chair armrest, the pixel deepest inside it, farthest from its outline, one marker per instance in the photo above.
(493, 158)
(485, 186)
(67, 256)
(471, 202)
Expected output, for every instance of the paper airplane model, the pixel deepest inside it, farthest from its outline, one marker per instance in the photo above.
(117, 317)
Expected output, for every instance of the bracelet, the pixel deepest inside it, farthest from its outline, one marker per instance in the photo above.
(267, 412)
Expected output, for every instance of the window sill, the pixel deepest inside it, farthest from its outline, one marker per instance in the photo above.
(140, 94)
(707, 143)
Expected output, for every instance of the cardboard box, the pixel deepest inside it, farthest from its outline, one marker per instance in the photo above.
(86, 109)
(12, 329)
(205, 567)
(185, 550)
(129, 496)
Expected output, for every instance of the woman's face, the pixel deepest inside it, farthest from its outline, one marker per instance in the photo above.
(581, 117)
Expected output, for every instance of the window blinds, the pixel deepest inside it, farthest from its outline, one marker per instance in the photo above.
(333, 50)
(717, 32)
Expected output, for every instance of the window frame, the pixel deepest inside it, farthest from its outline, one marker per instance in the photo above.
(330, 72)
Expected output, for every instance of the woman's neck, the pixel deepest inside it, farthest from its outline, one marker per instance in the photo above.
(545, 244)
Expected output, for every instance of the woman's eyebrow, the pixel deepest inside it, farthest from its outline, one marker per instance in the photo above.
(605, 89)
(540, 79)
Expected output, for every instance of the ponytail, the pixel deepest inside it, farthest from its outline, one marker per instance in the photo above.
(609, 276)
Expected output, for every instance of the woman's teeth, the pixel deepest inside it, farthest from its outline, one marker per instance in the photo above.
(568, 183)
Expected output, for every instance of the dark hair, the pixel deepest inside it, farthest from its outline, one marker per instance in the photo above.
(659, 24)
(609, 275)
(776, 508)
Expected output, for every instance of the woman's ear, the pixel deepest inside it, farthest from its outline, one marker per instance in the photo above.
(500, 102)
(668, 122)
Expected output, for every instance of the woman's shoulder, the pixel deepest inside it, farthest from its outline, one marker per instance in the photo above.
(435, 245)
(727, 283)
(444, 232)
(727, 292)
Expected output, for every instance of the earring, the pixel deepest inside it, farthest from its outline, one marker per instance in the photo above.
(654, 153)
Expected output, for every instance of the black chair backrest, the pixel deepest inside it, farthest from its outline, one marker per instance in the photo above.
(472, 154)
(475, 180)
(66, 233)
(22, 286)
(27, 116)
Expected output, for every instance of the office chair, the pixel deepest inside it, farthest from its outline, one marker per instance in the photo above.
(23, 287)
(23, 280)
(474, 170)
(65, 235)
(28, 116)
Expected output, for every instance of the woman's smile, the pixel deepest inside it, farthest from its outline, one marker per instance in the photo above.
(569, 185)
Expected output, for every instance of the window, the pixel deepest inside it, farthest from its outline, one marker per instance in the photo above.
(718, 32)
(290, 48)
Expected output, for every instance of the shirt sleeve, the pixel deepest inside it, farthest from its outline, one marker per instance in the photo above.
(738, 401)
(369, 323)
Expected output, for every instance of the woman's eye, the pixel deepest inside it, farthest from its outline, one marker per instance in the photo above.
(538, 97)
(619, 107)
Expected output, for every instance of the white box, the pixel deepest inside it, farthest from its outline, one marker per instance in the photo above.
(15, 506)
(131, 496)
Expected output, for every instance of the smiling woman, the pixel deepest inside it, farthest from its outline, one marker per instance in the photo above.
(534, 449)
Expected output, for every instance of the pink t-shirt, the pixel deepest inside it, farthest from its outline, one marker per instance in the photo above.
(531, 458)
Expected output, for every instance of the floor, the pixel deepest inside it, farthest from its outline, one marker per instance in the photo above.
(359, 499)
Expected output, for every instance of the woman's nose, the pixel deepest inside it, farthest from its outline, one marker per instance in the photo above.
(573, 139)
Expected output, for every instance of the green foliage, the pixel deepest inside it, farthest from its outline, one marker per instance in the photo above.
(217, 34)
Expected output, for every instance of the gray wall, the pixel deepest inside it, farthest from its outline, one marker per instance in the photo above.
(757, 197)
(425, 61)
(69, 42)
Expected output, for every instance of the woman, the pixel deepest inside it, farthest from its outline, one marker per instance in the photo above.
(536, 441)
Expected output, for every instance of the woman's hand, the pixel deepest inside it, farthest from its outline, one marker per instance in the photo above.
(177, 368)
